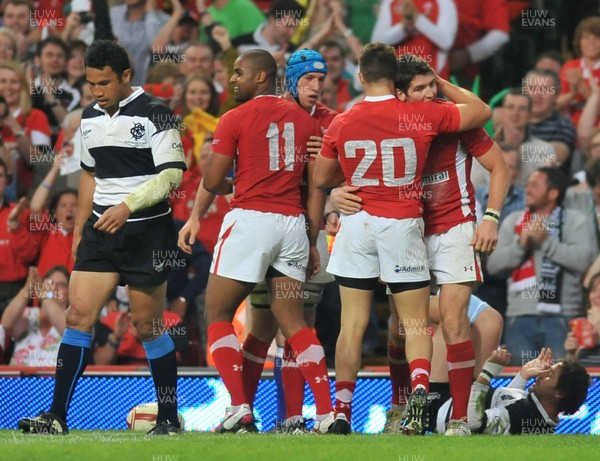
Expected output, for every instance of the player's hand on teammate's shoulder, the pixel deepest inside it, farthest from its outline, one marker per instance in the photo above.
(345, 200)
(113, 219)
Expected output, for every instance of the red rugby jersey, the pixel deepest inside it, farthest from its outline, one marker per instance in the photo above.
(267, 136)
(449, 196)
(382, 144)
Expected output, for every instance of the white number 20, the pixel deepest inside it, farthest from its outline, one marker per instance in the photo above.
(288, 146)
(387, 159)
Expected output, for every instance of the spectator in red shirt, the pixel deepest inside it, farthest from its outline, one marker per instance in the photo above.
(576, 74)
(426, 28)
(483, 29)
(17, 246)
(23, 129)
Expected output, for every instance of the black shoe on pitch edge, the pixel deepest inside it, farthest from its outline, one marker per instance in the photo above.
(164, 428)
(341, 426)
(43, 424)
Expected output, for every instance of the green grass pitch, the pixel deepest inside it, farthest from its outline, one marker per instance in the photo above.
(123, 445)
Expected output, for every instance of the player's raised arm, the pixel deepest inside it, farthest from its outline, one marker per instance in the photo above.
(474, 113)
(315, 204)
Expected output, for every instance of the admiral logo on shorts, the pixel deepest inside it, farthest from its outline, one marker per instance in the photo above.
(399, 268)
(296, 265)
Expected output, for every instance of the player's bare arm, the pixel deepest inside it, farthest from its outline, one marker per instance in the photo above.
(87, 186)
(215, 174)
(315, 204)
(486, 235)
(474, 113)
(327, 173)
(189, 231)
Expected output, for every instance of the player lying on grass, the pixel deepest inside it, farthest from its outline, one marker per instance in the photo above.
(486, 328)
(559, 387)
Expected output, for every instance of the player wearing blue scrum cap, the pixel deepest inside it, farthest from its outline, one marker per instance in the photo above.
(304, 81)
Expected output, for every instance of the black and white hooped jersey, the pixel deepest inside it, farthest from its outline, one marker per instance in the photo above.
(124, 151)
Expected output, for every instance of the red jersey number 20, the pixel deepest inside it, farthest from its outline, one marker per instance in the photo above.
(387, 147)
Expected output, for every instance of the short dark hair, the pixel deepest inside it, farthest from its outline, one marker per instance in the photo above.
(291, 8)
(408, 67)
(77, 45)
(106, 53)
(262, 60)
(332, 44)
(551, 54)
(545, 73)
(515, 91)
(572, 385)
(58, 268)
(56, 198)
(592, 171)
(377, 61)
(556, 179)
(52, 40)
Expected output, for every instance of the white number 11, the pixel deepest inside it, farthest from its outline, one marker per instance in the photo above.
(288, 146)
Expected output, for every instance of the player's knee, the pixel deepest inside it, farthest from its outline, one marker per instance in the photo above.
(79, 319)
(147, 328)
(491, 320)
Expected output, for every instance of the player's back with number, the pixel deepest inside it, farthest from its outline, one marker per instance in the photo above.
(382, 147)
(267, 136)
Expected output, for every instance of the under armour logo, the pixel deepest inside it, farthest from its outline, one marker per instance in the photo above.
(238, 367)
(468, 268)
(319, 379)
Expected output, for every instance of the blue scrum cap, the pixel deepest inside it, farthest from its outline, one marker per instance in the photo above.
(300, 63)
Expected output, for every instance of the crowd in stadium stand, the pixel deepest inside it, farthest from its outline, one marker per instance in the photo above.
(538, 71)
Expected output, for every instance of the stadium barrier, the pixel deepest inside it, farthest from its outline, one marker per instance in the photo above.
(105, 395)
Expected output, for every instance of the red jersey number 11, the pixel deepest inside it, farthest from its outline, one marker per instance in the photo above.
(288, 147)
